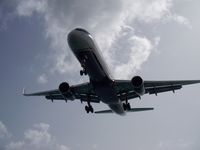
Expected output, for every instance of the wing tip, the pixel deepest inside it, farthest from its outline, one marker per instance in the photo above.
(24, 91)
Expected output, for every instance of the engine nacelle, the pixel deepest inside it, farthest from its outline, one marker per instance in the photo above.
(64, 88)
(138, 85)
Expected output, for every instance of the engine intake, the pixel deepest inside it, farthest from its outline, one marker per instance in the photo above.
(138, 85)
(64, 87)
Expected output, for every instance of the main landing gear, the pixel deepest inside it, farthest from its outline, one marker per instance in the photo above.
(126, 106)
(89, 108)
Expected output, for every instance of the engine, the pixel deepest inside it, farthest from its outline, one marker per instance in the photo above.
(64, 88)
(138, 85)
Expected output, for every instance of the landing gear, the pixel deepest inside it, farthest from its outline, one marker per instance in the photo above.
(126, 106)
(83, 64)
(89, 109)
(83, 72)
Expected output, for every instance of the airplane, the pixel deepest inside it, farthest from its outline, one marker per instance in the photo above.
(101, 86)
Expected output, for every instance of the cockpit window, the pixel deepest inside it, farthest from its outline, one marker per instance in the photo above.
(79, 29)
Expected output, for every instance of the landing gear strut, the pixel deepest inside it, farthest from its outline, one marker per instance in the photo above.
(83, 64)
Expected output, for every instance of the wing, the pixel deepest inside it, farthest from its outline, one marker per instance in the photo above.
(125, 90)
(80, 91)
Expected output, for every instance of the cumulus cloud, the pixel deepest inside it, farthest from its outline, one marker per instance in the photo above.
(110, 21)
(42, 79)
(37, 138)
(182, 20)
(139, 53)
(4, 131)
(26, 8)
(15, 145)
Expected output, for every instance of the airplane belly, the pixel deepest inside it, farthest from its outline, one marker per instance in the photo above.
(106, 93)
(117, 108)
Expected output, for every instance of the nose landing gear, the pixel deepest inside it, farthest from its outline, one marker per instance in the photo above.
(83, 72)
(83, 64)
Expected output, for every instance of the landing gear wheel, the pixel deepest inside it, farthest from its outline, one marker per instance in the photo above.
(124, 106)
(85, 72)
(91, 109)
(81, 72)
(87, 109)
(128, 106)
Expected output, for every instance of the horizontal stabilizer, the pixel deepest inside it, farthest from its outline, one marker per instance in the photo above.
(140, 109)
(131, 110)
(104, 112)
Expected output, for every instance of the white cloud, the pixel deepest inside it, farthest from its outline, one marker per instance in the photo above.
(37, 138)
(3, 131)
(175, 144)
(27, 8)
(15, 145)
(182, 20)
(139, 53)
(107, 21)
(42, 79)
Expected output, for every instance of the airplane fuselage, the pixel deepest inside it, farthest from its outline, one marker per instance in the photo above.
(86, 51)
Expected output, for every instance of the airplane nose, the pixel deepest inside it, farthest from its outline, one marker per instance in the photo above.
(77, 39)
(72, 38)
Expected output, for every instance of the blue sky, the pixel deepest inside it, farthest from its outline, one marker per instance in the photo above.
(157, 39)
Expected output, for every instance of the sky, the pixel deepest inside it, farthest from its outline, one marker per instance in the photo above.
(156, 39)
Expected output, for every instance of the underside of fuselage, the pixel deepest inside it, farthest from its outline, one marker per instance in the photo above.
(86, 51)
